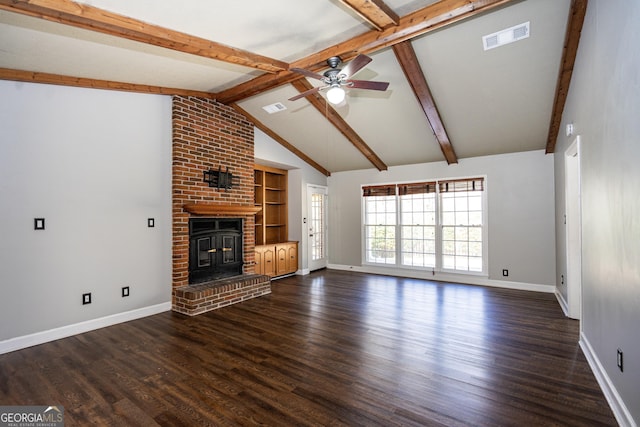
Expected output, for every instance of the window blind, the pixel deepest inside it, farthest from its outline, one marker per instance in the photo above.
(379, 190)
(417, 188)
(471, 184)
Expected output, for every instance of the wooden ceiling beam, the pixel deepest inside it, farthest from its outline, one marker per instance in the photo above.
(91, 18)
(57, 79)
(375, 12)
(332, 115)
(427, 19)
(280, 140)
(409, 63)
(571, 41)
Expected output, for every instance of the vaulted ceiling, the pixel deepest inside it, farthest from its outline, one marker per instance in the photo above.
(448, 98)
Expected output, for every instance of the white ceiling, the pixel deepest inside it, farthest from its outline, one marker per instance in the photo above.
(491, 102)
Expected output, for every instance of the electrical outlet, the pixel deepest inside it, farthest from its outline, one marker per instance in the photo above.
(620, 361)
(86, 298)
(125, 291)
(505, 272)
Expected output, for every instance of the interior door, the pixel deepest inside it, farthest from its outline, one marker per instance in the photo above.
(317, 226)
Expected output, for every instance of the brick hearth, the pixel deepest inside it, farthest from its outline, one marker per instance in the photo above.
(203, 297)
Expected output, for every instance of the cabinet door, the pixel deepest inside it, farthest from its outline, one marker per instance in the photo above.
(259, 255)
(282, 259)
(292, 252)
(269, 260)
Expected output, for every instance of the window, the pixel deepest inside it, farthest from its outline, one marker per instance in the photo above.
(418, 224)
(461, 221)
(380, 224)
(317, 224)
(436, 225)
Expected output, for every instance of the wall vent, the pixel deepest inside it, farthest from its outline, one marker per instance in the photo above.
(274, 108)
(506, 36)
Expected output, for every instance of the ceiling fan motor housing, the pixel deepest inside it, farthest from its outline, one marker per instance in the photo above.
(334, 61)
(332, 75)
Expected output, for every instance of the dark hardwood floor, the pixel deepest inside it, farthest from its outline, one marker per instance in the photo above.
(328, 349)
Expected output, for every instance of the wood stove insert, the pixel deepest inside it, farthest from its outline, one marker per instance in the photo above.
(215, 248)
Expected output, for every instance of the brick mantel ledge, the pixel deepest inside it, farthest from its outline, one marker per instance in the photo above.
(205, 208)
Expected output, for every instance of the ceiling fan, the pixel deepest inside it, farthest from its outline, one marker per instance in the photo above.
(335, 79)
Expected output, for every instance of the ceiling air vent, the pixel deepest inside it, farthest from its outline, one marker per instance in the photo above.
(274, 108)
(506, 36)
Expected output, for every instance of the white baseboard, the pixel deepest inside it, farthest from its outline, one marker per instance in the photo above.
(446, 277)
(620, 411)
(563, 303)
(37, 338)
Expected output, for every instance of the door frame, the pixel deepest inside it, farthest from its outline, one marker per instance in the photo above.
(573, 229)
(316, 265)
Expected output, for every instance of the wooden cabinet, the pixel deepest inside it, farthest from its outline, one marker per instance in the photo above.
(277, 260)
(292, 254)
(266, 260)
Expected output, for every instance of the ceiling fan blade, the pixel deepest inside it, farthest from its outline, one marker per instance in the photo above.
(355, 65)
(307, 73)
(367, 84)
(305, 93)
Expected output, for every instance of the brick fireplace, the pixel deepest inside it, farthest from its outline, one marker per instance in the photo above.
(209, 135)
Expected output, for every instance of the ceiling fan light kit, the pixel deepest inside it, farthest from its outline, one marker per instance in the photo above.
(335, 79)
(335, 95)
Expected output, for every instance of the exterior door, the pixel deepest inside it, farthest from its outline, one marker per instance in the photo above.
(317, 226)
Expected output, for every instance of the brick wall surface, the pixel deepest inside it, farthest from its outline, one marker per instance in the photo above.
(209, 135)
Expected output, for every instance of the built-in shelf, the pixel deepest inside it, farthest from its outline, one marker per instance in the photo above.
(271, 195)
(206, 208)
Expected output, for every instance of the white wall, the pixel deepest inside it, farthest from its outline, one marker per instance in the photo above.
(95, 164)
(521, 228)
(270, 153)
(604, 106)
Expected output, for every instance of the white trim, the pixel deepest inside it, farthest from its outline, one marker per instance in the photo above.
(620, 411)
(562, 302)
(444, 277)
(18, 343)
(321, 263)
(573, 229)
